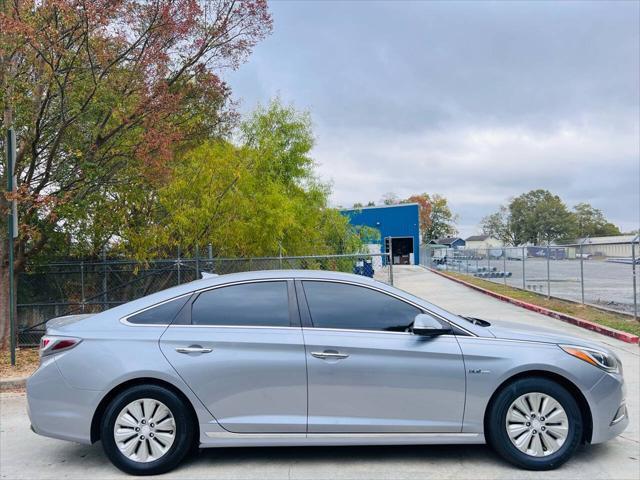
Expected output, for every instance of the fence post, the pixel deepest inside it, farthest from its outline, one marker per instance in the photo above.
(548, 270)
(82, 284)
(581, 273)
(633, 266)
(504, 265)
(210, 255)
(524, 261)
(178, 265)
(390, 269)
(488, 262)
(197, 261)
(467, 261)
(105, 299)
(280, 255)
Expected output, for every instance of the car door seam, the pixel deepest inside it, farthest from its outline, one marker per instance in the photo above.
(186, 383)
(466, 385)
(306, 360)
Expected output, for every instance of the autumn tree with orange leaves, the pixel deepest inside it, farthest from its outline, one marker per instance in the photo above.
(101, 95)
(424, 215)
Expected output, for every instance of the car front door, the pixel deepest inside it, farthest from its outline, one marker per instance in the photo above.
(368, 373)
(241, 351)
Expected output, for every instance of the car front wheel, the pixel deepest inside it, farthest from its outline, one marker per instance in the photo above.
(535, 423)
(146, 430)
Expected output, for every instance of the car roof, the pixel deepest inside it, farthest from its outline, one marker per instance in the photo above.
(213, 281)
(279, 274)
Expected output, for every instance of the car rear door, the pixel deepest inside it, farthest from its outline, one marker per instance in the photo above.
(367, 373)
(241, 351)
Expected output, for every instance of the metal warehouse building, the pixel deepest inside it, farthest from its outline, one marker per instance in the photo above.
(399, 229)
(612, 246)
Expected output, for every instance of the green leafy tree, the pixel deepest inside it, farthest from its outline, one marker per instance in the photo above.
(253, 199)
(442, 219)
(591, 222)
(498, 225)
(367, 234)
(539, 217)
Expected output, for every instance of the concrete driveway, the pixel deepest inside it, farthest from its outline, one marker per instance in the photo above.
(26, 455)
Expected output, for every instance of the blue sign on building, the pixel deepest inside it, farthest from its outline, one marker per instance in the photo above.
(399, 227)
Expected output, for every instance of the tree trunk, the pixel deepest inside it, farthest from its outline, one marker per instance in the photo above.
(5, 326)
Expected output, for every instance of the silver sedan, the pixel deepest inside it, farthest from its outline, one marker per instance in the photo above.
(315, 358)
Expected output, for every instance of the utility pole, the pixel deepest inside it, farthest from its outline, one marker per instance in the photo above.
(8, 66)
(548, 269)
(12, 232)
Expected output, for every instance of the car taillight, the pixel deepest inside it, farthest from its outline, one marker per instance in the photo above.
(50, 344)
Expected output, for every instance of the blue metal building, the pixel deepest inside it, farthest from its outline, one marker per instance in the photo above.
(399, 229)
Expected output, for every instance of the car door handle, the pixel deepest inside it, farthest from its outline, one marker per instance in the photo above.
(332, 355)
(194, 349)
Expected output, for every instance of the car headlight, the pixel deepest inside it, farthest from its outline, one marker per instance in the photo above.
(595, 357)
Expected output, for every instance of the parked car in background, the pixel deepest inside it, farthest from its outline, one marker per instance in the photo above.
(282, 358)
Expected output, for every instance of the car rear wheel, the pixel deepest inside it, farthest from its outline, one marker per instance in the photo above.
(146, 430)
(535, 423)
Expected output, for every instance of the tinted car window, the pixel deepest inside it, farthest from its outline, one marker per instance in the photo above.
(340, 305)
(264, 304)
(160, 315)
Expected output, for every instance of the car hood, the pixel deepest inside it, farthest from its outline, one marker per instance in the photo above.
(527, 333)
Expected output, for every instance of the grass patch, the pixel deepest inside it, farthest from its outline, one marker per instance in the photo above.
(608, 319)
(27, 360)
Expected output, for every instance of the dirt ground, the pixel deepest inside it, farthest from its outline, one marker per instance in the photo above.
(27, 360)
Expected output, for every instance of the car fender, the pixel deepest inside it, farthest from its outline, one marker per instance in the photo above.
(490, 363)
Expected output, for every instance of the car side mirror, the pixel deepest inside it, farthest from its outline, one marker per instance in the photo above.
(426, 325)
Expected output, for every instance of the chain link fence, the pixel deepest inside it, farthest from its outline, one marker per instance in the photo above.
(91, 286)
(602, 275)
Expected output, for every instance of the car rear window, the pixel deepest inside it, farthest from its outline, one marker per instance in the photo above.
(162, 314)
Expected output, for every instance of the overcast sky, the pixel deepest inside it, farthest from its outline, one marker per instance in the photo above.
(478, 101)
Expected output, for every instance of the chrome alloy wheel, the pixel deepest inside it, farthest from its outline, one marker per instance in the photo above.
(144, 430)
(537, 424)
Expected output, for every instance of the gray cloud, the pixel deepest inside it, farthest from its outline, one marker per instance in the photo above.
(479, 101)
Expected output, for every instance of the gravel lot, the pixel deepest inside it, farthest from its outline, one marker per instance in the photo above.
(26, 455)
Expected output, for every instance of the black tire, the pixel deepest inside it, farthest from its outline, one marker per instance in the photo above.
(184, 430)
(496, 428)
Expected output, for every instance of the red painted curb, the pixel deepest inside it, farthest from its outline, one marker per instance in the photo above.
(580, 322)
